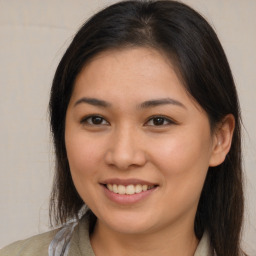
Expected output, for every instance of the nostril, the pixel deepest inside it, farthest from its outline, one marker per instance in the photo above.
(125, 159)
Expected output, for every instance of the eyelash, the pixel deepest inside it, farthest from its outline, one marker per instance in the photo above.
(86, 119)
(164, 121)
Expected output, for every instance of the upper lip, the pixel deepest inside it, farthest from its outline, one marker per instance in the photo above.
(127, 182)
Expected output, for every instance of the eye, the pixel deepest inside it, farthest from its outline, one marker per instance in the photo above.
(159, 121)
(94, 120)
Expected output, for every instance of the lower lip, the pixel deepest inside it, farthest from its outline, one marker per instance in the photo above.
(128, 199)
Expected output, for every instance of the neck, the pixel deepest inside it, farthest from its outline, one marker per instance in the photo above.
(181, 242)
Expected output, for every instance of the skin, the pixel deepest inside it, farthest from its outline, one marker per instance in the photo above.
(126, 143)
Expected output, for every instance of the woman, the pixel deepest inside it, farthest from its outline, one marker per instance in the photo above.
(146, 127)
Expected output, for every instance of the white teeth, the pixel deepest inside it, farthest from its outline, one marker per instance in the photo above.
(121, 189)
(115, 190)
(110, 187)
(144, 187)
(138, 188)
(128, 190)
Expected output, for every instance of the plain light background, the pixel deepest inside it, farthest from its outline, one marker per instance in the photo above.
(33, 37)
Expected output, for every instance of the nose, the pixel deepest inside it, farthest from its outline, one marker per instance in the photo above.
(126, 149)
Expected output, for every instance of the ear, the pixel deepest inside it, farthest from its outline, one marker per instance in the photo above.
(222, 140)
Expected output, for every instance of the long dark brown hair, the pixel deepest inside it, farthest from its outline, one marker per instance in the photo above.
(188, 40)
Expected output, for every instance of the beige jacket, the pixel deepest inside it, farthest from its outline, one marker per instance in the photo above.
(79, 245)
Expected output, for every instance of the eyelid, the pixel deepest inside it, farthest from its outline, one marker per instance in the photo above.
(84, 120)
(168, 119)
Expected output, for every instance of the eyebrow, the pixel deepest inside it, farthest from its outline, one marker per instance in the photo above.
(159, 102)
(145, 104)
(93, 101)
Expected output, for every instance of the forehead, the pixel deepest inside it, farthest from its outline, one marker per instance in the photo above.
(127, 78)
(129, 69)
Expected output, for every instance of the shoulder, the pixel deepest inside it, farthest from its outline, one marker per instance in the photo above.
(35, 245)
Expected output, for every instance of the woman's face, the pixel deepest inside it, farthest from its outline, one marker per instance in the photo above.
(138, 146)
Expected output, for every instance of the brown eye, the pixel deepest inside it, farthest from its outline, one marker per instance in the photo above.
(159, 121)
(94, 120)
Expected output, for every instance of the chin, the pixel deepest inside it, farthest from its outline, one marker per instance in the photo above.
(128, 223)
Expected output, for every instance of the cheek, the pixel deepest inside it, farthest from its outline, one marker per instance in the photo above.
(183, 164)
(83, 155)
(184, 156)
(84, 160)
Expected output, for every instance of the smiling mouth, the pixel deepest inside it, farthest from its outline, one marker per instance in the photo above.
(128, 190)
